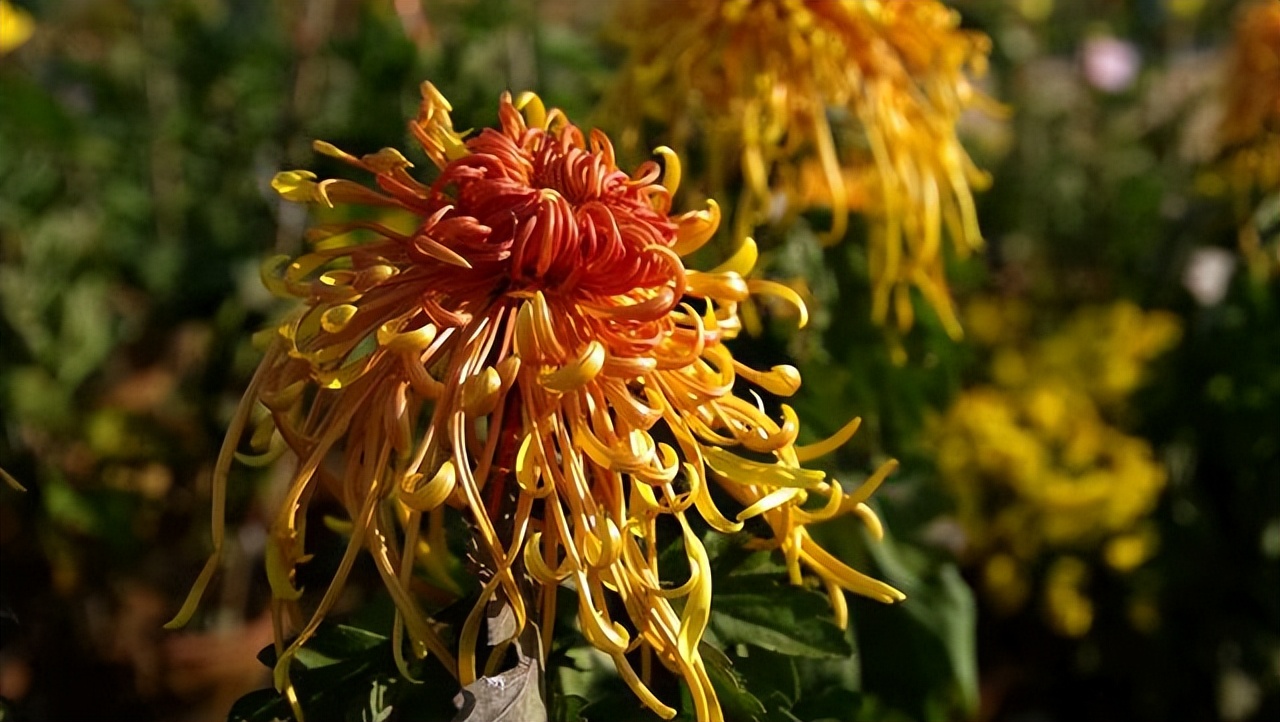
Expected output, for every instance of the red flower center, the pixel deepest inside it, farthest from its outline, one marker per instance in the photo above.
(550, 212)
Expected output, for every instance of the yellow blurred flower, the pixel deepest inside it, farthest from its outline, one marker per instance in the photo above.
(1103, 350)
(533, 353)
(844, 104)
(1006, 582)
(1129, 551)
(1035, 467)
(16, 26)
(1068, 609)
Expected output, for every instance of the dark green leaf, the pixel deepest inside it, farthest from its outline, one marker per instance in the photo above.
(735, 700)
(942, 604)
(262, 705)
(568, 708)
(759, 611)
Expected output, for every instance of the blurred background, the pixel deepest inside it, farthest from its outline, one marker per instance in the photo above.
(1087, 516)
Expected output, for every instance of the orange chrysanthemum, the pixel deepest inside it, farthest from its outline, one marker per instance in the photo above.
(1251, 121)
(521, 356)
(766, 79)
(1250, 130)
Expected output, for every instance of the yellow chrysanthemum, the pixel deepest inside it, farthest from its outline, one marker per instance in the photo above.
(860, 97)
(535, 354)
(1034, 466)
(16, 26)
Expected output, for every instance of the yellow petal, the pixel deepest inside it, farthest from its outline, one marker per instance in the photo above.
(537, 564)
(724, 287)
(386, 161)
(529, 470)
(783, 380)
(670, 168)
(342, 527)
(610, 638)
(439, 251)
(638, 687)
(333, 151)
(868, 517)
(769, 502)
(830, 568)
(280, 572)
(544, 327)
(480, 392)
(337, 190)
(600, 550)
(834, 506)
(274, 451)
(742, 260)
(643, 500)
(343, 376)
(705, 505)
(336, 318)
(577, 373)
(535, 113)
(839, 605)
(694, 229)
(284, 398)
(809, 452)
(525, 341)
(745, 471)
(296, 185)
(391, 338)
(270, 271)
(872, 483)
(772, 288)
(697, 606)
(434, 492)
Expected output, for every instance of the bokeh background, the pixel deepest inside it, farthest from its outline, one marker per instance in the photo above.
(1087, 516)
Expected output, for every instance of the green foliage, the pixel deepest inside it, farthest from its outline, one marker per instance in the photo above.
(347, 673)
(777, 617)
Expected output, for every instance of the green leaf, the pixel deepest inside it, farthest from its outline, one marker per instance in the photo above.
(568, 707)
(943, 605)
(332, 643)
(759, 611)
(834, 703)
(348, 673)
(735, 700)
(262, 705)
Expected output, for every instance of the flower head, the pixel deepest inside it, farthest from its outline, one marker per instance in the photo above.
(535, 354)
(1251, 120)
(1035, 466)
(1250, 131)
(16, 26)
(868, 91)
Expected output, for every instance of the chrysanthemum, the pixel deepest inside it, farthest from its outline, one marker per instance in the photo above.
(868, 91)
(1251, 119)
(1250, 131)
(1034, 465)
(535, 354)
(16, 26)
